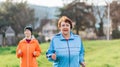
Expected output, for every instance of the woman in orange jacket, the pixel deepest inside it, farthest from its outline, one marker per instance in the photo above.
(28, 49)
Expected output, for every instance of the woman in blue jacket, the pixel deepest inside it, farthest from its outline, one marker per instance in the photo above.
(66, 49)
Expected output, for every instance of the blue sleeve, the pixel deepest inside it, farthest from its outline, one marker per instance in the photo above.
(50, 51)
(81, 55)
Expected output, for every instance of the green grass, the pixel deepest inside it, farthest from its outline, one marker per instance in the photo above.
(102, 53)
(98, 53)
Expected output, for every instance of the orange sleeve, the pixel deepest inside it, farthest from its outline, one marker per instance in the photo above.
(37, 49)
(18, 48)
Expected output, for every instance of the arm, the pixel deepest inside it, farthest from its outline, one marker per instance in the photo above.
(50, 54)
(18, 51)
(81, 60)
(37, 51)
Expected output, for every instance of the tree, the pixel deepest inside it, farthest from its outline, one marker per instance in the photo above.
(16, 15)
(80, 13)
(114, 13)
(100, 16)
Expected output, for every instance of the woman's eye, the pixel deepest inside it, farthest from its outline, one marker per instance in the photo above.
(67, 25)
(63, 25)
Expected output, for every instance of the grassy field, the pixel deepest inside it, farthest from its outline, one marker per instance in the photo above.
(98, 53)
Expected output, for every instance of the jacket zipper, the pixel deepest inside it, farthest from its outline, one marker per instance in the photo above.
(27, 55)
(68, 53)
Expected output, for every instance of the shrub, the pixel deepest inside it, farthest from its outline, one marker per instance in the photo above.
(115, 34)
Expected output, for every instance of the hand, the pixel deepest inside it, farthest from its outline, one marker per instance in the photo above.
(34, 53)
(19, 51)
(82, 64)
(54, 56)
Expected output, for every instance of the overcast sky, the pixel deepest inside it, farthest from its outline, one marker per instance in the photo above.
(59, 3)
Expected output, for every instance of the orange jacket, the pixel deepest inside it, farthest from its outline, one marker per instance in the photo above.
(28, 59)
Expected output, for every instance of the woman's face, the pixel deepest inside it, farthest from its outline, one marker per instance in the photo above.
(27, 33)
(65, 28)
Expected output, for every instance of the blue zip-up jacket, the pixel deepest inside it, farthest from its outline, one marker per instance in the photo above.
(69, 53)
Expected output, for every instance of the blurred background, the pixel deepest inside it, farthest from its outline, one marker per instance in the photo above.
(96, 21)
(92, 19)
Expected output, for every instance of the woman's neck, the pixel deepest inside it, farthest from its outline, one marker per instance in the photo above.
(66, 36)
(28, 37)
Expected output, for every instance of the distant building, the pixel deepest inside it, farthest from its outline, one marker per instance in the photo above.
(1, 39)
(49, 30)
(9, 32)
(10, 36)
(42, 12)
